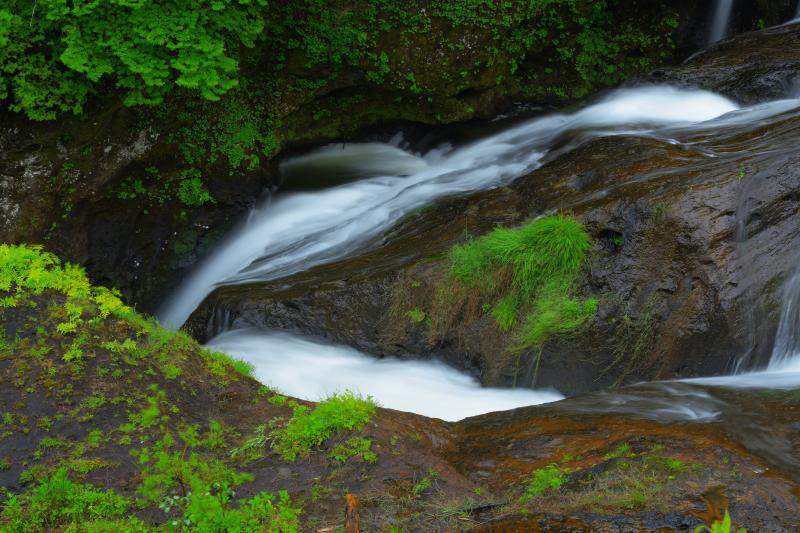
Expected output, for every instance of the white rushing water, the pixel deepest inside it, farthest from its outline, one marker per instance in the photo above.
(783, 370)
(312, 369)
(296, 231)
(720, 21)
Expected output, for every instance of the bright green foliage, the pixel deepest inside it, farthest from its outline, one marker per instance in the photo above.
(27, 270)
(719, 527)
(505, 312)
(548, 251)
(416, 315)
(545, 258)
(354, 447)
(202, 487)
(544, 479)
(54, 53)
(209, 512)
(57, 502)
(306, 429)
(555, 314)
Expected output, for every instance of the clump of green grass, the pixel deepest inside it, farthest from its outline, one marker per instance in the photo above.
(533, 269)
(309, 428)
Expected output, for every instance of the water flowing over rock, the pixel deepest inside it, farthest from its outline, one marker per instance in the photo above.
(665, 208)
(720, 21)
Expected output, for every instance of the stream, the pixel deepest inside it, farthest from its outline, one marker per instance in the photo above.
(379, 183)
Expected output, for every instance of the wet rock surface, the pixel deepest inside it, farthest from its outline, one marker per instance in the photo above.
(750, 68)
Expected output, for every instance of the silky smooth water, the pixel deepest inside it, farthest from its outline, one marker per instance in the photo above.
(720, 21)
(313, 369)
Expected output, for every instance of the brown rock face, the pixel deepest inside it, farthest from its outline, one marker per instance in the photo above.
(694, 233)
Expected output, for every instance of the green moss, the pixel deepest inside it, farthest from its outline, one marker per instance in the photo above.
(306, 429)
(27, 271)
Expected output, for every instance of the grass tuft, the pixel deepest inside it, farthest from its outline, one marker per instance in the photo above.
(545, 258)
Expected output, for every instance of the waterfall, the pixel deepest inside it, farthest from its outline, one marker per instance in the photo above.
(783, 371)
(786, 351)
(719, 24)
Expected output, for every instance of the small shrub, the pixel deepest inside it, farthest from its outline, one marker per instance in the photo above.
(306, 429)
(544, 479)
(57, 501)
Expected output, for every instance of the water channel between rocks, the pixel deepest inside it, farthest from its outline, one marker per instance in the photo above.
(296, 231)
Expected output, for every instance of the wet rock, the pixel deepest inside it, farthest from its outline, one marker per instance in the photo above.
(749, 68)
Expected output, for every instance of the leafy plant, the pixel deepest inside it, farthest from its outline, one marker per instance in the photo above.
(306, 429)
(544, 479)
(53, 55)
(354, 447)
(724, 526)
(57, 502)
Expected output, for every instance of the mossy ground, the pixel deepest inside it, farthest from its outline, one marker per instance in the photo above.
(95, 393)
(173, 432)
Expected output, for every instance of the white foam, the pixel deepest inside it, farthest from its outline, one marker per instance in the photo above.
(311, 369)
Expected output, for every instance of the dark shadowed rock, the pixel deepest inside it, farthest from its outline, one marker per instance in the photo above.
(753, 67)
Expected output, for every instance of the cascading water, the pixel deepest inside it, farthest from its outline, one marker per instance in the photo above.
(786, 351)
(720, 21)
(783, 370)
(299, 230)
